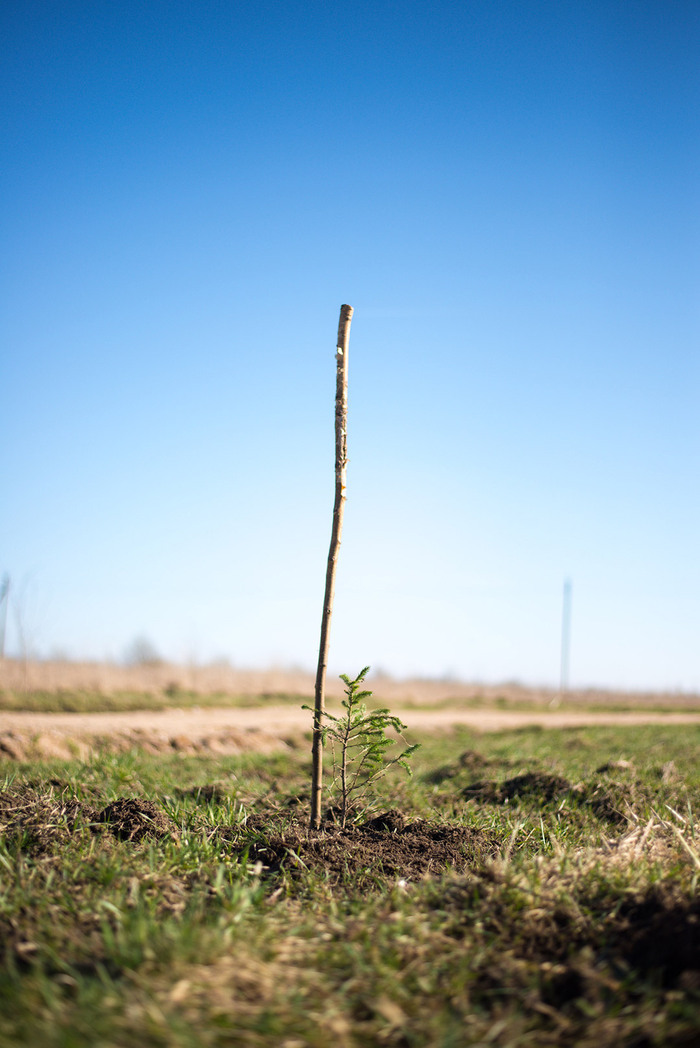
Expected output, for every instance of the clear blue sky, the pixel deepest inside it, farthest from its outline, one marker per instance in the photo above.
(508, 193)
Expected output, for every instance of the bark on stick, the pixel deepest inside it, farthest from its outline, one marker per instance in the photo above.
(341, 459)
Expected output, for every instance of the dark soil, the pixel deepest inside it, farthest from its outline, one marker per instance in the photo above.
(469, 760)
(132, 820)
(40, 818)
(385, 846)
(657, 931)
(607, 801)
(533, 785)
(661, 931)
(585, 946)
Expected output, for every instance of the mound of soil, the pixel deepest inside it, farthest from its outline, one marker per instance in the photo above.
(607, 802)
(661, 930)
(535, 785)
(132, 820)
(610, 801)
(614, 766)
(584, 943)
(469, 760)
(383, 847)
(45, 816)
(41, 818)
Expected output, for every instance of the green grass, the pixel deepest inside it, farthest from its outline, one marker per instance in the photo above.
(583, 930)
(172, 697)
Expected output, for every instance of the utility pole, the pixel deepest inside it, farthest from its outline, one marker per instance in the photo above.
(4, 601)
(565, 638)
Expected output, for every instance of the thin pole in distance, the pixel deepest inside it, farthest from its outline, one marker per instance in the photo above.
(565, 639)
(341, 461)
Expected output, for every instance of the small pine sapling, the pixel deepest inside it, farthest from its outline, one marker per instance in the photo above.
(359, 744)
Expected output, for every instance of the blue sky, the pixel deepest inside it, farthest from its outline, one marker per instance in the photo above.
(508, 193)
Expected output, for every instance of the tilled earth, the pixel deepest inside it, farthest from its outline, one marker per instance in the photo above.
(386, 846)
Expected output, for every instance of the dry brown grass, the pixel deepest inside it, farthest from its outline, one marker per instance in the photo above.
(109, 678)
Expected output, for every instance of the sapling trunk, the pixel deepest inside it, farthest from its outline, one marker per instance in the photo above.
(341, 458)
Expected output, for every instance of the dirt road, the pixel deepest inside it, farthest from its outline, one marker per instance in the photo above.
(285, 720)
(263, 728)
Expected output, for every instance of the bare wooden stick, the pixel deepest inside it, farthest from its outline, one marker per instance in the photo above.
(341, 459)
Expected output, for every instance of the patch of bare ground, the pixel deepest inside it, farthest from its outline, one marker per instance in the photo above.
(468, 760)
(386, 846)
(609, 801)
(612, 796)
(40, 818)
(581, 933)
(132, 819)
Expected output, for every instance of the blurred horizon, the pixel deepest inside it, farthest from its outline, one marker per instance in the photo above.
(507, 193)
(160, 677)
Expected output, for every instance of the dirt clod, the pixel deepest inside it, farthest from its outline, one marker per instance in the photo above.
(468, 760)
(535, 784)
(391, 820)
(619, 765)
(133, 819)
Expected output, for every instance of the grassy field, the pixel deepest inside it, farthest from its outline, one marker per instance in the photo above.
(527, 888)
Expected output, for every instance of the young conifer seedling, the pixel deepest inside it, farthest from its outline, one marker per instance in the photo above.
(359, 745)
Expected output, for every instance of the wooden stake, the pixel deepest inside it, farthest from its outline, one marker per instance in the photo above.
(341, 460)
